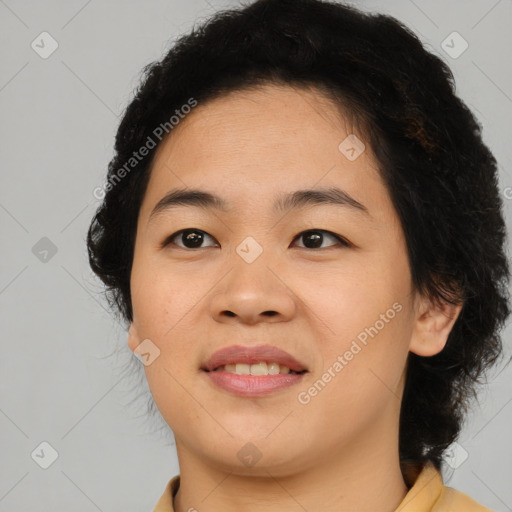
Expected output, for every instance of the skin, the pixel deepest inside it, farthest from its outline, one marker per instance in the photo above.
(340, 450)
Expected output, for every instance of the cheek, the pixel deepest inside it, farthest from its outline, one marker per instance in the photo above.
(358, 381)
(350, 297)
(366, 317)
(161, 298)
(163, 304)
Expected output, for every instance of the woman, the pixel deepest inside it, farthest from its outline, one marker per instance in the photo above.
(302, 229)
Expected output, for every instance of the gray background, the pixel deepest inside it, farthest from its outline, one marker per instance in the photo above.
(58, 120)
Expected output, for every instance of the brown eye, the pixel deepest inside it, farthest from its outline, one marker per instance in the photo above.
(191, 238)
(313, 239)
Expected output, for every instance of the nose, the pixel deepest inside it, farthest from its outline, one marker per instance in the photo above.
(252, 293)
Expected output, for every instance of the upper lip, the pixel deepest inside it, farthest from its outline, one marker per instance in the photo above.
(252, 355)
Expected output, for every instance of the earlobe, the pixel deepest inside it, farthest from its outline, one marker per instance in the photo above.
(133, 337)
(433, 324)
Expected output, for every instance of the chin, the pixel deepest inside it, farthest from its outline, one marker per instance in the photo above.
(256, 456)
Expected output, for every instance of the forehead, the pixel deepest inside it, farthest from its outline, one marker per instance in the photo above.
(279, 115)
(248, 144)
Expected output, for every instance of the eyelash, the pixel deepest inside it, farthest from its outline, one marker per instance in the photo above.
(341, 240)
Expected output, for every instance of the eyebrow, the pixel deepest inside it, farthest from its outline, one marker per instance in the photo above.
(288, 201)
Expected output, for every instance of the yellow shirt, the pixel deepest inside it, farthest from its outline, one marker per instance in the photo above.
(428, 494)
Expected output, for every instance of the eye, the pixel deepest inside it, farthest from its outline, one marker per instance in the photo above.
(315, 238)
(191, 238)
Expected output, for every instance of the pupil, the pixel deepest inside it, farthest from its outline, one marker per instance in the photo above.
(316, 237)
(193, 238)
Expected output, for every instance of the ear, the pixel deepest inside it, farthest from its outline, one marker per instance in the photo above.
(433, 323)
(133, 337)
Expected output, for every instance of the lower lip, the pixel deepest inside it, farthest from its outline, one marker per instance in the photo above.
(253, 385)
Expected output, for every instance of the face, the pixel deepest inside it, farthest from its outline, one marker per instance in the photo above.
(328, 282)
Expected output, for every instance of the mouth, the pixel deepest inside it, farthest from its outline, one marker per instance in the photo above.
(253, 371)
(258, 369)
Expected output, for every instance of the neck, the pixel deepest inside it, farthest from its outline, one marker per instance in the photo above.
(363, 475)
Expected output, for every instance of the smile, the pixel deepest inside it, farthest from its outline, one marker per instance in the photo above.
(262, 368)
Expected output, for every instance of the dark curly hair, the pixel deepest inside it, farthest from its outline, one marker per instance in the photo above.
(441, 176)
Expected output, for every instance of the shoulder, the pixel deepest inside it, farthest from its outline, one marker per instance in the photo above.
(165, 503)
(452, 500)
(429, 494)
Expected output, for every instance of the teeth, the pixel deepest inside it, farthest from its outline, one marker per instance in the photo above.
(273, 369)
(261, 368)
(243, 369)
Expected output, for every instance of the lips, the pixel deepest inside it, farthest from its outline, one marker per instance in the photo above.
(252, 355)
